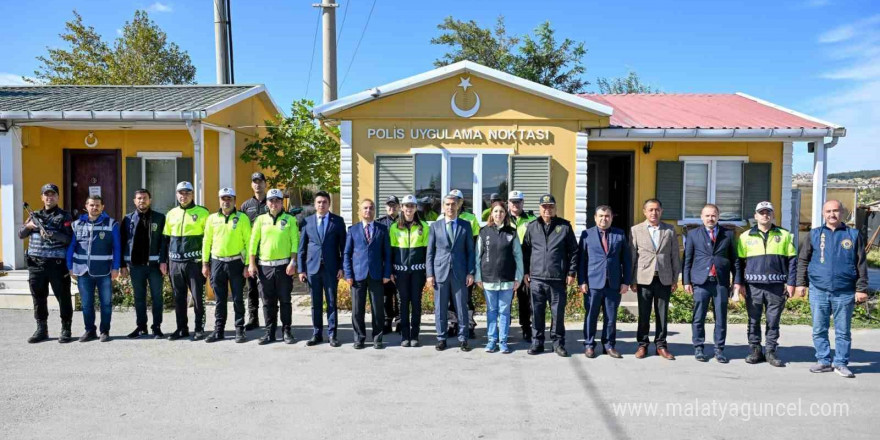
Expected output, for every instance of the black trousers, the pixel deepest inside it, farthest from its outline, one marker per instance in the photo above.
(275, 288)
(410, 285)
(552, 291)
(653, 296)
(225, 276)
(45, 272)
(453, 315)
(359, 291)
(187, 275)
(252, 290)
(761, 297)
(392, 304)
(524, 302)
(141, 274)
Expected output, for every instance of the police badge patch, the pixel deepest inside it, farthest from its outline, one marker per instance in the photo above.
(558, 229)
(195, 217)
(234, 222)
(155, 227)
(778, 239)
(846, 244)
(101, 235)
(283, 224)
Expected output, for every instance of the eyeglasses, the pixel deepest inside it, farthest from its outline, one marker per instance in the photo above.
(765, 212)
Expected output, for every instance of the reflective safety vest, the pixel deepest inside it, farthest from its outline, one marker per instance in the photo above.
(409, 247)
(186, 227)
(773, 260)
(95, 247)
(522, 222)
(226, 236)
(472, 219)
(274, 238)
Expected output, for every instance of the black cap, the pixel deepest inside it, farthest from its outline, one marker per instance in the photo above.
(392, 200)
(49, 187)
(258, 175)
(547, 199)
(494, 197)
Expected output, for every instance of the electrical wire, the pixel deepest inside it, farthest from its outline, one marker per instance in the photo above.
(312, 60)
(358, 44)
(342, 26)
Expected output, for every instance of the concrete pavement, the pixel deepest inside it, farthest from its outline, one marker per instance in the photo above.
(162, 389)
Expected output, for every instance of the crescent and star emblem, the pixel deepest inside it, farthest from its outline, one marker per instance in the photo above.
(464, 84)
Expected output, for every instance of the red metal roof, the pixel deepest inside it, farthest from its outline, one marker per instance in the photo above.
(698, 111)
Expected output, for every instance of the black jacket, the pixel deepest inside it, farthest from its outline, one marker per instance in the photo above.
(551, 255)
(158, 242)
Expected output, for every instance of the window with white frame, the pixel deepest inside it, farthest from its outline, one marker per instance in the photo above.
(717, 180)
(159, 176)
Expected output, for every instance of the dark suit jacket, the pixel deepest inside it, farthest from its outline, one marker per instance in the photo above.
(595, 267)
(362, 259)
(455, 262)
(700, 254)
(312, 250)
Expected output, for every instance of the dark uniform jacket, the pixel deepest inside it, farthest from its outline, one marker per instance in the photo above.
(550, 253)
(57, 223)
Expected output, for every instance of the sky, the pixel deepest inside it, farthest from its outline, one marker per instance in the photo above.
(820, 57)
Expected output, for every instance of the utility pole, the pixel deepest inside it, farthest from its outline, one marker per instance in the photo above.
(221, 41)
(329, 45)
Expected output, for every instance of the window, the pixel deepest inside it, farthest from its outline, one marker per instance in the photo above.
(428, 179)
(713, 180)
(461, 177)
(495, 171)
(160, 178)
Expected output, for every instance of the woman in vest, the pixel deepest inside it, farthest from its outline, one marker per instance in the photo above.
(409, 246)
(499, 272)
(93, 258)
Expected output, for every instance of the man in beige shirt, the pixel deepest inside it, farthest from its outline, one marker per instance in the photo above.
(656, 267)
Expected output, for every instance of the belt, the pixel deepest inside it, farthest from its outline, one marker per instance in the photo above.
(228, 259)
(275, 262)
(712, 279)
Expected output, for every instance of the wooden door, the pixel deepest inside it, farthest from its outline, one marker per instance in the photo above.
(93, 172)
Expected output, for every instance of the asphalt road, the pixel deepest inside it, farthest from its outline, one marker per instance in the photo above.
(162, 389)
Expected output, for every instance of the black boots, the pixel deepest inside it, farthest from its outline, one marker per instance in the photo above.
(65, 333)
(217, 335)
(287, 334)
(253, 321)
(756, 355)
(137, 333)
(774, 360)
(41, 334)
(239, 335)
(269, 336)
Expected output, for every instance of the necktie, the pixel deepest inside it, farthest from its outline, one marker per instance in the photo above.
(449, 232)
(654, 237)
(321, 227)
(604, 240)
(367, 232)
(712, 236)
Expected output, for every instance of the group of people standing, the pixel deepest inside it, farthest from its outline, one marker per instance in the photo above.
(257, 251)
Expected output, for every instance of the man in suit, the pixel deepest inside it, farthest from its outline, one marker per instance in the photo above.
(604, 274)
(321, 245)
(709, 255)
(367, 266)
(550, 260)
(450, 267)
(656, 265)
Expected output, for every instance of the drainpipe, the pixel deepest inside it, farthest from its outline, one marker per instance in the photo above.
(820, 178)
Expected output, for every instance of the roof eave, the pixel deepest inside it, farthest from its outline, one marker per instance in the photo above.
(739, 134)
(90, 115)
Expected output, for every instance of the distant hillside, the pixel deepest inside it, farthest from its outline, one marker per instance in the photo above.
(864, 174)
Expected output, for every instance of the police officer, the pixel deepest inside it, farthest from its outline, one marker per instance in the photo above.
(145, 258)
(494, 197)
(273, 246)
(253, 207)
(49, 232)
(832, 261)
(426, 209)
(475, 232)
(185, 227)
(392, 304)
(93, 257)
(550, 253)
(227, 237)
(767, 266)
(520, 219)
(409, 246)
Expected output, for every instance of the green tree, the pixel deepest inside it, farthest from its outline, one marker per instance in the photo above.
(297, 152)
(141, 55)
(629, 84)
(540, 58)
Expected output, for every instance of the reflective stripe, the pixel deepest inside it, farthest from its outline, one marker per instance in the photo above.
(275, 262)
(152, 258)
(405, 268)
(228, 259)
(86, 257)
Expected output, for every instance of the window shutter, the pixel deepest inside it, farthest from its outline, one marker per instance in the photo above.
(184, 170)
(394, 177)
(669, 187)
(531, 175)
(133, 175)
(756, 186)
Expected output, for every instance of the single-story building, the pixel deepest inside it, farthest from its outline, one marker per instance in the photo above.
(111, 140)
(484, 131)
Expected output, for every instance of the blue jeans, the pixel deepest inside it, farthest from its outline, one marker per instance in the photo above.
(824, 305)
(87, 285)
(498, 314)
